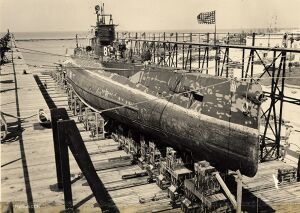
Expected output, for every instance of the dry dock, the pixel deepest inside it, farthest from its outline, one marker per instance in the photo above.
(28, 175)
(27, 158)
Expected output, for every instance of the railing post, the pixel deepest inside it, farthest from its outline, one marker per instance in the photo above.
(217, 61)
(154, 50)
(243, 63)
(183, 57)
(207, 37)
(207, 59)
(80, 111)
(227, 61)
(97, 124)
(190, 49)
(71, 102)
(169, 46)
(253, 39)
(176, 54)
(199, 55)
(75, 105)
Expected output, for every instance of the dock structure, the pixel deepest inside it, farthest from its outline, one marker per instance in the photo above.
(29, 177)
(28, 173)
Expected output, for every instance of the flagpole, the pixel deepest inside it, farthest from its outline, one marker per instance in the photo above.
(215, 40)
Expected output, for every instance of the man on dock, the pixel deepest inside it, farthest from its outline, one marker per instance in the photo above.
(285, 139)
(284, 40)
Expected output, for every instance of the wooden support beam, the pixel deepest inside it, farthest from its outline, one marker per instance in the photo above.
(81, 155)
(226, 190)
(57, 114)
(65, 166)
(238, 180)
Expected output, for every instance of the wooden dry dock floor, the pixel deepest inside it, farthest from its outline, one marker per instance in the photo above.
(28, 172)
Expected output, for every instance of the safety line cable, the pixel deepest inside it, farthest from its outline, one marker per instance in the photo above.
(19, 117)
(43, 52)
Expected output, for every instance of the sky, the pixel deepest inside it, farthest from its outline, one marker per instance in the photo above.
(146, 15)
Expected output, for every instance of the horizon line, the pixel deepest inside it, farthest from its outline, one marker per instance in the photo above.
(154, 30)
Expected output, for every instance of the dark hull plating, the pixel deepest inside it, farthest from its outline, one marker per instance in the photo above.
(226, 145)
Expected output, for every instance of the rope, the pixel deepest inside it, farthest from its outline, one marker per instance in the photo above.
(38, 60)
(19, 117)
(53, 68)
(42, 52)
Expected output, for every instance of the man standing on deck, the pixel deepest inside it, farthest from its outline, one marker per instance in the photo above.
(285, 139)
(284, 40)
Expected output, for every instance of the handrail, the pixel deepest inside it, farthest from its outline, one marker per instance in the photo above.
(293, 50)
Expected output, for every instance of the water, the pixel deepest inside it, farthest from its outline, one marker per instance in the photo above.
(49, 35)
(57, 47)
(51, 45)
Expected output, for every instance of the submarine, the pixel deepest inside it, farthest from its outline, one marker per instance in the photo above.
(212, 117)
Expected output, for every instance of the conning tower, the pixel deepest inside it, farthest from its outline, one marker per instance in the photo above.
(104, 31)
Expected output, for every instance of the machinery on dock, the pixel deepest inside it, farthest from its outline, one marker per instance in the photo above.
(203, 192)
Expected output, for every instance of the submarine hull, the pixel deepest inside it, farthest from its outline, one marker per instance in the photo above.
(225, 144)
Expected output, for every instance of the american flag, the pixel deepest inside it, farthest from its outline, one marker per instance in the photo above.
(207, 18)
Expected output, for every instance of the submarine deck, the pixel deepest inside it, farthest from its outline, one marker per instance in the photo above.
(28, 174)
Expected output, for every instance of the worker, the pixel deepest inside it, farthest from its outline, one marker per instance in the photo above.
(64, 78)
(285, 139)
(284, 40)
(226, 41)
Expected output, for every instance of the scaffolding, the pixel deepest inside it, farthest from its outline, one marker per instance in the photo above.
(231, 61)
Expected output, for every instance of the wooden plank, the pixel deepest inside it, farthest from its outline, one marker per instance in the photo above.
(83, 160)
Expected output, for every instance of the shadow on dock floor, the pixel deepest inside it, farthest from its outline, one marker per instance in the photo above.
(48, 99)
(30, 203)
